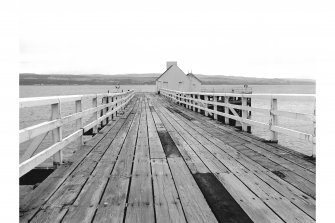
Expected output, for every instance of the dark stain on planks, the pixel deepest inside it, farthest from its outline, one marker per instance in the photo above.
(173, 110)
(279, 174)
(35, 176)
(169, 147)
(223, 205)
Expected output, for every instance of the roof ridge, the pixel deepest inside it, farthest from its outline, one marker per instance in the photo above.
(194, 76)
(164, 72)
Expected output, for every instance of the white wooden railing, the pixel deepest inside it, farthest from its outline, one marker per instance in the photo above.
(192, 101)
(37, 133)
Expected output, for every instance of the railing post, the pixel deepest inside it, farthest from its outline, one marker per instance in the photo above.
(116, 104)
(226, 110)
(107, 109)
(79, 122)
(112, 107)
(193, 102)
(104, 101)
(314, 131)
(96, 115)
(56, 133)
(244, 114)
(198, 97)
(215, 107)
(188, 101)
(206, 105)
(273, 120)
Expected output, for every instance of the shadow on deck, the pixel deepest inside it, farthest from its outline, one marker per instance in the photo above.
(159, 162)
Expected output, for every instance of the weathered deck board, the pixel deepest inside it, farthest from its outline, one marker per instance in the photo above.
(86, 203)
(113, 201)
(140, 206)
(232, 166)
(167, 203)
(258, 212)
(68, 192)
(194, 204)
(151, 165)
(34, 200)
(300, 180)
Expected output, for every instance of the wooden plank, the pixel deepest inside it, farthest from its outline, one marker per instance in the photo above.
(34, 200)
(237, 168)
(194, 204)
(86, 203)
(293, 155)
(281, 205)
(167, 203)
(205, 155)
(50, 215)
(306, 174)
(227, 161)
(309, 174)
(250, 203)
(307, 204)
(156, 149)
(190, 157)
(71, 188)
(113, 201)
(263, 214)
(140, 202)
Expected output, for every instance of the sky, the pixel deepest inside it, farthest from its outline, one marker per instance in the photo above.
(271, 39)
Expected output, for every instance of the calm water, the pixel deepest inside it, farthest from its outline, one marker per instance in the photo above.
(31, 116)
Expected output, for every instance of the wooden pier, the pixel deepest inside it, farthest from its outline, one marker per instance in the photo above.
(161, 162)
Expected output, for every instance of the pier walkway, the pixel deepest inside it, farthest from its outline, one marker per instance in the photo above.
(159, 162)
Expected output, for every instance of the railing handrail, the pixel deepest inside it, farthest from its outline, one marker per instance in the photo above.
(253, 95)
(188, 99)
(38, 131)
(48, 100)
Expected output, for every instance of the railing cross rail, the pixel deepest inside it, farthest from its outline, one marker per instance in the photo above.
(37, 132)
(194, 102)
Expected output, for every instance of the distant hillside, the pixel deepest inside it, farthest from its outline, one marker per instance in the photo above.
(148, 79)
(237, 80)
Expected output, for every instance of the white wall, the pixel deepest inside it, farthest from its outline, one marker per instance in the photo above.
(194, 85)
(173, 76)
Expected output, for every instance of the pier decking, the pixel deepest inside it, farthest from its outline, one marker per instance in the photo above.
(159, 162)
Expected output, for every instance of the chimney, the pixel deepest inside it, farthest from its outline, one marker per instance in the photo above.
(169, 63)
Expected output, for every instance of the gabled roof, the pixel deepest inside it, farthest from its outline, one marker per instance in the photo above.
(192, 75)
(164, 73)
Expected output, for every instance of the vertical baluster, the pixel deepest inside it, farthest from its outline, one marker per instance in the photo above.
(273, 120)
(193, 102)
(79, 122)
(314, 131)
(226, 110)
(96, 114)
(244, 114)
(198, 97)
(206, 105)
(116, 98)
(103, 112)
(215, 107)
(56, 133)
(113, 107)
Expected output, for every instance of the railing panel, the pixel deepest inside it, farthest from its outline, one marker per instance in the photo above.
(194, 103)
(39, 131)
